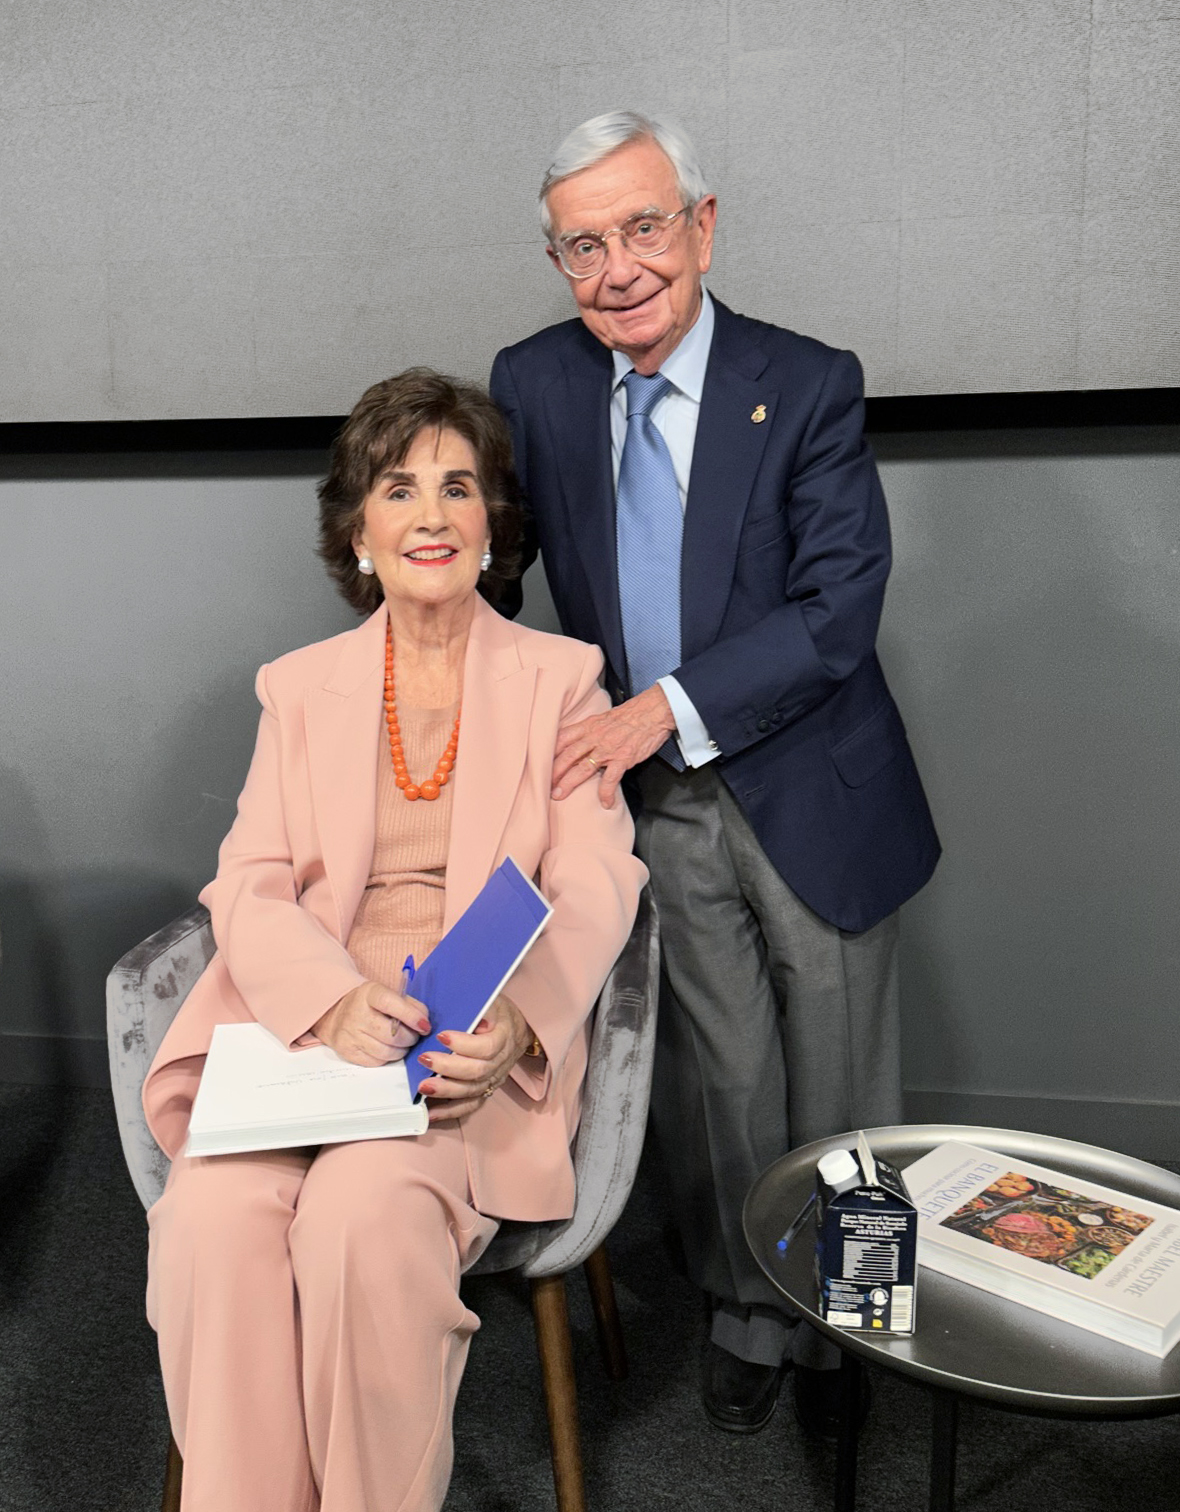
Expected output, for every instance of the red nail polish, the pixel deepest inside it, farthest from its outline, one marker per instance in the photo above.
(444, 1038)
(424, 1026)
(424, 1060)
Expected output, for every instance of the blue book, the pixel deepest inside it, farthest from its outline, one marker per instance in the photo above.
(469, 966)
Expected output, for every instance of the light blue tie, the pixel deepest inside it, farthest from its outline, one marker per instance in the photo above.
(648, 530)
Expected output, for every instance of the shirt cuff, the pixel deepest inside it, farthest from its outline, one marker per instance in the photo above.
(691, 735)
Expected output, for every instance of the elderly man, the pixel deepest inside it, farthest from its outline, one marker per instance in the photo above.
(709, 514)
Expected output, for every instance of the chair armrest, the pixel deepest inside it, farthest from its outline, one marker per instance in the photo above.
(144, 991)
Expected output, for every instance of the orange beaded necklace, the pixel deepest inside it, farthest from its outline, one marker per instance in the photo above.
(431, 788)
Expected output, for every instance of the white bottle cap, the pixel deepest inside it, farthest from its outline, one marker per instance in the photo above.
(838, 1168)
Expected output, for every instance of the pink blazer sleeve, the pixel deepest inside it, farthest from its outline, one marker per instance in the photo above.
(287, 965)
(593, 880)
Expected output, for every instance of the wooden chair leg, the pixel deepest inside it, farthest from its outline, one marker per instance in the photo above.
(173, 1472)
(561, 1392)
(606, 1313)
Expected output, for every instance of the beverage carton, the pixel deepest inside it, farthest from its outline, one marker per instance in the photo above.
(866, 1237)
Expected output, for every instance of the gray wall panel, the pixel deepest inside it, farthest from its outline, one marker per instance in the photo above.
(804, 149)
(992, 297)
(1134, 117)
(56, 175)
(1033, 634)
(55, 346)
(169, 163)
(192, 319)
(1128, 329)
(368, 318)
(1135, 10)
(995, 107)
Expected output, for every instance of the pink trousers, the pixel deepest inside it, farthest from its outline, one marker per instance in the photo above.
(311, 1334)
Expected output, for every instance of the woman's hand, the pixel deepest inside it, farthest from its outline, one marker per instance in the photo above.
(477, 1063)
(372, 1025)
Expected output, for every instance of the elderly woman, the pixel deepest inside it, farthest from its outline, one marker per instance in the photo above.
(311, 1332)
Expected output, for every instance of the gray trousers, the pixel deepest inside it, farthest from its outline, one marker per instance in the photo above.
(775, 1028)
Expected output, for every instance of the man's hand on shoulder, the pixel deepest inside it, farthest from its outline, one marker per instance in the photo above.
(611, 743)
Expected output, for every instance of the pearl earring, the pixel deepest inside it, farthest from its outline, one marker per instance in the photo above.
(365, 564)
(485, 561)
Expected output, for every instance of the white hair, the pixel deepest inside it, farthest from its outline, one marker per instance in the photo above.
(596, 139)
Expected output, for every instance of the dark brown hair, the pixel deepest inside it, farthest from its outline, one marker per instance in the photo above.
(377, 436)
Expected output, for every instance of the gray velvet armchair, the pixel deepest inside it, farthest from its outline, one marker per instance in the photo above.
(147, 987)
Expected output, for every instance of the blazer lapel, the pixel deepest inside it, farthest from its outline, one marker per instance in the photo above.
(493, 745)
(343, 727)
(725, 461)
(578, 409)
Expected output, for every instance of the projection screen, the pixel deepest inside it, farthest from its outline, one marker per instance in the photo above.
(212, 210)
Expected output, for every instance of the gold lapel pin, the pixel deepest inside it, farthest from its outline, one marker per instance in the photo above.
(759, 414)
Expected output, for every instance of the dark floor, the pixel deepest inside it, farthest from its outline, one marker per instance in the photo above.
(82, 1422)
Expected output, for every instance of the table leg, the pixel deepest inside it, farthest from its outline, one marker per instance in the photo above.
(944, 1443)
(850, 1388)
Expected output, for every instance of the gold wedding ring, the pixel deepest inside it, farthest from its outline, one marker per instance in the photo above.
(591, 760)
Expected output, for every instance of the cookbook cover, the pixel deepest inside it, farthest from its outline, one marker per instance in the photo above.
(1071, 1248)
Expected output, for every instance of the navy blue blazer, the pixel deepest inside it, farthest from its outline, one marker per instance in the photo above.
(785, 556)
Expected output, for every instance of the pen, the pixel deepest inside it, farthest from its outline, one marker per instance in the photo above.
(804, 1214)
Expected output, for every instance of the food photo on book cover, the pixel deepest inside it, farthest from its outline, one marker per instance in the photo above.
(1049, 1223)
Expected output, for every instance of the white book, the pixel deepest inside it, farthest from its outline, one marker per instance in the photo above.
(255, 1094)
(1102, 1259)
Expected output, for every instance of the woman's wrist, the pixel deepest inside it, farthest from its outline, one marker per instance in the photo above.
(527, 1042)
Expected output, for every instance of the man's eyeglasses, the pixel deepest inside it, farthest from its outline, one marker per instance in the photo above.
(583, 253)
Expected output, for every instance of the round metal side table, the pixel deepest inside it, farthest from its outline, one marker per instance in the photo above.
(967, 1343)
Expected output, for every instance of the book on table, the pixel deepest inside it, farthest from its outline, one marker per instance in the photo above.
(1102, 1259)
(255, 1094)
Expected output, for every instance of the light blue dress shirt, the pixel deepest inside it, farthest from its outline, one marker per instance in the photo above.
(675, 417)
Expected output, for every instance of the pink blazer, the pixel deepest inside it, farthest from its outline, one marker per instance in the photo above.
(292, 870)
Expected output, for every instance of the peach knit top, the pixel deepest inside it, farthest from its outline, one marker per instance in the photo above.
(401, 910)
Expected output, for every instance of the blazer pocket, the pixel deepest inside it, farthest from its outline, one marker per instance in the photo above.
(758, 534)
(871, 746)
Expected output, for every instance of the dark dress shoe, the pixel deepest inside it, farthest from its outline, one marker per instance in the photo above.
(817, 1401)
(737, 1396)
